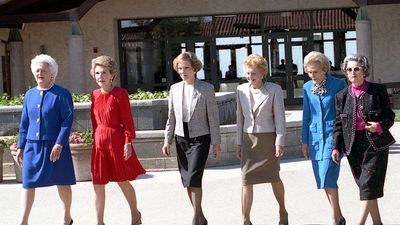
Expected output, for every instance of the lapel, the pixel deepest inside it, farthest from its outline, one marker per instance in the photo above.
(179, 99)
(246, 92)
(196, 96)
(264, 96)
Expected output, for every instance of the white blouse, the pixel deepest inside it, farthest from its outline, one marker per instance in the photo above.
(187, 101)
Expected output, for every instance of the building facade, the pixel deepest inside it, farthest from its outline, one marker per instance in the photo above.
(145, 36)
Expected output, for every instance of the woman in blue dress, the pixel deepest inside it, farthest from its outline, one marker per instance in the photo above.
(43, 147)
(318, 120)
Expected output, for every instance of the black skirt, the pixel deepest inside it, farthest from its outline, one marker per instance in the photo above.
(192, 154)
(368, 167)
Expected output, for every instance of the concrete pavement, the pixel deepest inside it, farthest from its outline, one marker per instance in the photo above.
(163, 201)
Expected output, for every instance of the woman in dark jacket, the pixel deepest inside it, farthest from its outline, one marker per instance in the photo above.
(363, 119)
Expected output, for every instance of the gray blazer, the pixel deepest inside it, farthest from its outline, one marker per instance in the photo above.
(269, 115)
(204, 115)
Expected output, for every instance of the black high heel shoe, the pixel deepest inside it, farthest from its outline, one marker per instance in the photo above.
(342, 221)
(72, 221)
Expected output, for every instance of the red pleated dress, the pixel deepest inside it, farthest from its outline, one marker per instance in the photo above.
(113, 126)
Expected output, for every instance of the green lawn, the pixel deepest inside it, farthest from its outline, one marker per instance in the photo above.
(397, 111)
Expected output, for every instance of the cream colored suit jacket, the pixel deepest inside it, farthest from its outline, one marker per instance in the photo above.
(269, 115)
(204, 114)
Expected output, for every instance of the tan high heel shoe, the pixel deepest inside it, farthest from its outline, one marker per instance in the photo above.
(139, 220)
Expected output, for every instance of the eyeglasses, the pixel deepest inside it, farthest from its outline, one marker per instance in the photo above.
(355, 69)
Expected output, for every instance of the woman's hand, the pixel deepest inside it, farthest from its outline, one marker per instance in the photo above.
(239, 152)
(19, 157)
(127, 151)
(56, 152)
(372, 127)
(166, 149)
(335, 156)
(217, 150)
(278, 151)
(304, 148)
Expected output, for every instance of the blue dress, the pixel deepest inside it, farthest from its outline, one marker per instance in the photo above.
(46, 120)
(318, 119)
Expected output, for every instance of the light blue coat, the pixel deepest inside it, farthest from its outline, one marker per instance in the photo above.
(319, 117)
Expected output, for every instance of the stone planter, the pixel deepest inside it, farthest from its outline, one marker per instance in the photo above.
(81, 155)
(1, 162)
(396, 101)
(17, 169)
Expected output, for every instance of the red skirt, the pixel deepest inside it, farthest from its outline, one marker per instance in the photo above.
(108, 163)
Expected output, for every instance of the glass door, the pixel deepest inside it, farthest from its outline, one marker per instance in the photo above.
(201, 48)
(285, 56)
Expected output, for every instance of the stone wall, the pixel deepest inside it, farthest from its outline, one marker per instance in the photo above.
(147, 114)
(148, 145)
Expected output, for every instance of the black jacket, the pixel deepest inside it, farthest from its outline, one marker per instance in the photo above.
(375, 106)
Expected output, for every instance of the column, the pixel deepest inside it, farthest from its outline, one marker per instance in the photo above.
(364, 37)
(77, 75)
(16, 62)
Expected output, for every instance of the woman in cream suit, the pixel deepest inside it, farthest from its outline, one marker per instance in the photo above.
(260, 135)
(193, 120)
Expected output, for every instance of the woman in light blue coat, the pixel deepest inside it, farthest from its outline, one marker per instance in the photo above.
(318, 120)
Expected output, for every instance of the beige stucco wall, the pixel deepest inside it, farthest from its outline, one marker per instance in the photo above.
(385, 26)
(99, 27)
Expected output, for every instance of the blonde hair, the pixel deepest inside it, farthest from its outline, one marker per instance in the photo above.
(315, 57)
(49, 61)
(256, 62)
(106, 62)
(190, 57)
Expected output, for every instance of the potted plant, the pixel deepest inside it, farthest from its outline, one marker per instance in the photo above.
(2, 146)
(81, 150)
(10, 142)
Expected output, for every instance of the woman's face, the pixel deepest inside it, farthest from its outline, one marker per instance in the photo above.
(315, 72)
(355, 73)
(186, 71)
(43, 75)
(254, 76)
(103, 77)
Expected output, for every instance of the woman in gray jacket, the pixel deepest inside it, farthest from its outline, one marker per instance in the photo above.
(193, 120)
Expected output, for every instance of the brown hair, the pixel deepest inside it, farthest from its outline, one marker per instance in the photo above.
(106, 62)
(190, 57)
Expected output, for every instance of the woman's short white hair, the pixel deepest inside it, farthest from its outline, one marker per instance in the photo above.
(49, 61)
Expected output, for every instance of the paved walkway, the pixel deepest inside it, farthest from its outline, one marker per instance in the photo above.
(163, 201)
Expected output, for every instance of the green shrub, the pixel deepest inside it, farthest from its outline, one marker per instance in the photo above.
(6, 100)
(397, 112)
(147, 95)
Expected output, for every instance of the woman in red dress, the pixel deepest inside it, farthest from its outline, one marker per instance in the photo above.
(113, 156)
